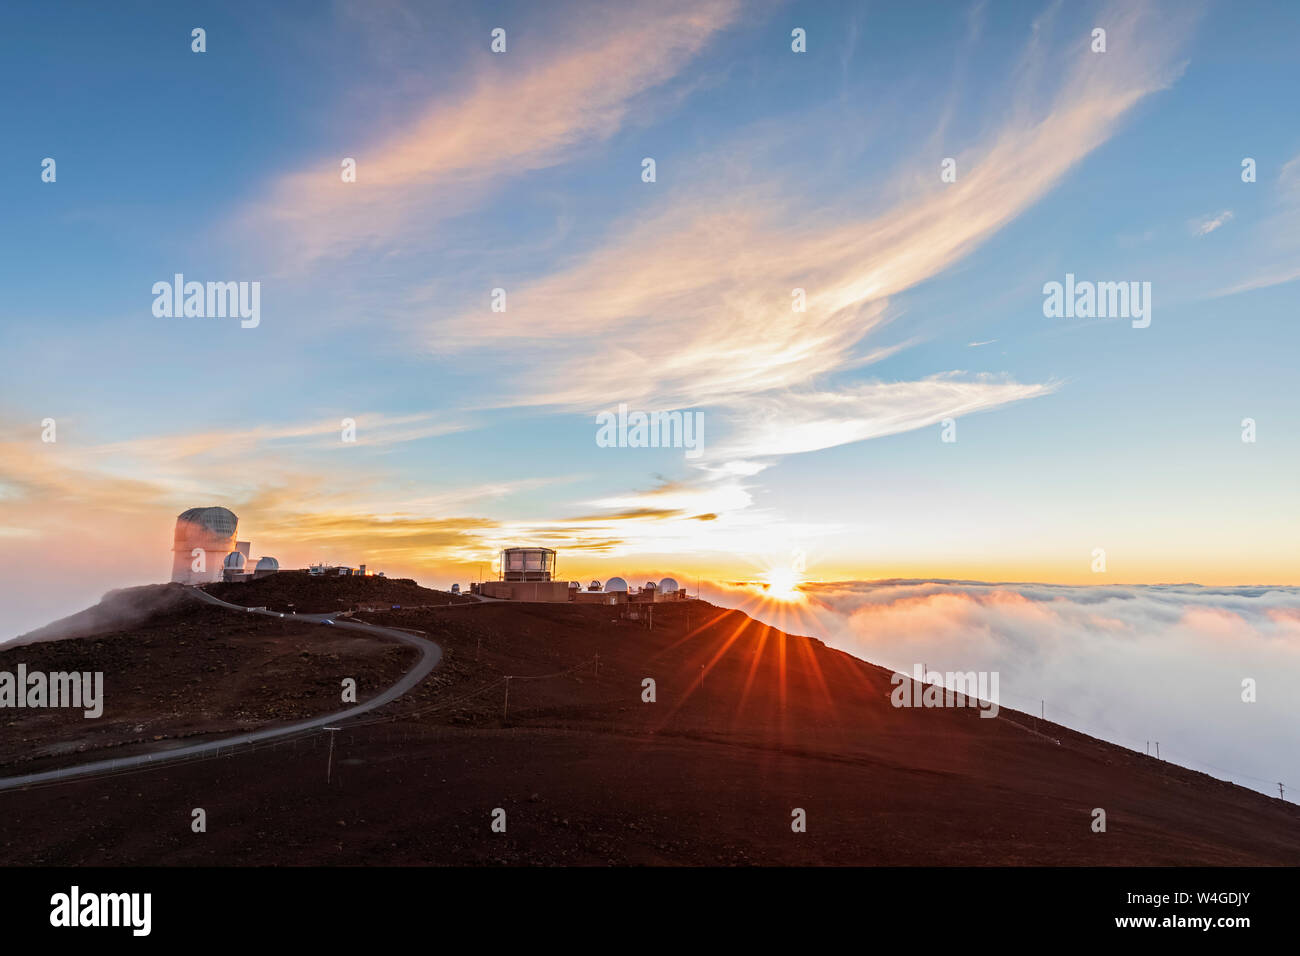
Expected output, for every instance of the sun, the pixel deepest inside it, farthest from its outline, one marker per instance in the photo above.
(783, 584)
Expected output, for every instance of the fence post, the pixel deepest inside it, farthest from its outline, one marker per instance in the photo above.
(329, 767)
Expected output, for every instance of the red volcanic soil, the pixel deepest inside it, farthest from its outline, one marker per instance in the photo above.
(187, 669)
(749, 724)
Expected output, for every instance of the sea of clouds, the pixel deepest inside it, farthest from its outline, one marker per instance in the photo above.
(1128, 664)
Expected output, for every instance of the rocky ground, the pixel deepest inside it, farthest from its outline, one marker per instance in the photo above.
(188, 670)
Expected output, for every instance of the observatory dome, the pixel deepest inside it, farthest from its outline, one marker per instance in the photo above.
(668, 584)
(234, 561)
(212, 529)
(615, 584)
(267, 564)
(218, 520)
(593, 586)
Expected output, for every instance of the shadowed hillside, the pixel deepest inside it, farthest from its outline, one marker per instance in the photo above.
(185, 670)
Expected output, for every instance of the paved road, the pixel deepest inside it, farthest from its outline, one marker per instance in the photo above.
(430, 655)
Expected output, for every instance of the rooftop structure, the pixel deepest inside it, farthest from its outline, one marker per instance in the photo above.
(527, 564)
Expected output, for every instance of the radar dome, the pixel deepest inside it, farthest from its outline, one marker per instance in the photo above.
(615, 584)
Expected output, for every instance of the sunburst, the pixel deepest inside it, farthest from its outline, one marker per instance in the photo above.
(783, 585)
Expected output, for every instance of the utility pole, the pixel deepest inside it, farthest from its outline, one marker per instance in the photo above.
(329, 767)
(1148, 748)
(1157, 750)
(1281, 791)
(1042, 710)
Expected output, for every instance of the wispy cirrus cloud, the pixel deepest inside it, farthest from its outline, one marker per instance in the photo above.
(524, 110)
(1207, 224)
(693, 305)
(789, 423)
(1279, 236)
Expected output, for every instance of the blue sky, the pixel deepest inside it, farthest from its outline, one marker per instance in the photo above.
(775, 169)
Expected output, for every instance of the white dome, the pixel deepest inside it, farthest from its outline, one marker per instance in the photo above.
(234, 561)
(593, 586)
(267, 564)
(615, 584)
(650, 585)
(668, 584)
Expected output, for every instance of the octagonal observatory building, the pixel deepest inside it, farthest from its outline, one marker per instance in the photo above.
(527, 574)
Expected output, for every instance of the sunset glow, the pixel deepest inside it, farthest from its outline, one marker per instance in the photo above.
(782, 584)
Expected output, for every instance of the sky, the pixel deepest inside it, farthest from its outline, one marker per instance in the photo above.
(823, 451)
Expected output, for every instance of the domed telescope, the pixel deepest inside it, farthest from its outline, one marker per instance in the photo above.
(204, 536)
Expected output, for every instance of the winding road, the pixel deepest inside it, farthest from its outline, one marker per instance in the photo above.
(430, 655)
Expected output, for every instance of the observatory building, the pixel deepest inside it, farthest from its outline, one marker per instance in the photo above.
(204, 536)
(205, 549)
(614, 592)
(666, 590)
(527, 574)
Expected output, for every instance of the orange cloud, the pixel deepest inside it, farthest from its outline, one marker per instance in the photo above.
(694, 306)
(522, 111)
